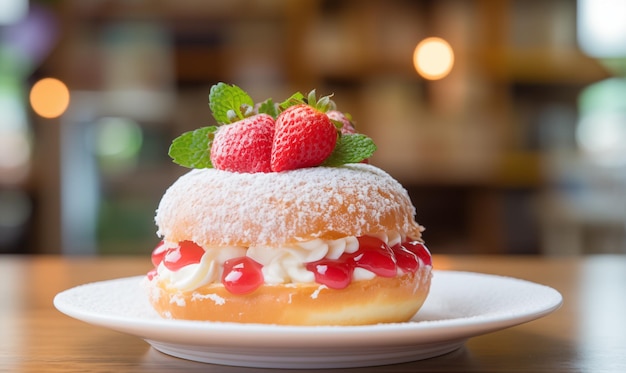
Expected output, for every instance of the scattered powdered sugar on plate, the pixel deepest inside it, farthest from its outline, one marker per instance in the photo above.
(460, 305)
(124, 297)
(483, 297)
(455, 297)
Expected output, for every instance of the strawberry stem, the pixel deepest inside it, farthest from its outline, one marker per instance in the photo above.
(323, 104)
(295, 99)
(311, 100)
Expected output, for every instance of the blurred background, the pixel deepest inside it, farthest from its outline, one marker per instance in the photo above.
(507, 124)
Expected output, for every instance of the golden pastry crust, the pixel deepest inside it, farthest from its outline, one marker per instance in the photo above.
(379, 300)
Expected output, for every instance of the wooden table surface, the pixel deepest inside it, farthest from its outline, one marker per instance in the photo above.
(587, 334)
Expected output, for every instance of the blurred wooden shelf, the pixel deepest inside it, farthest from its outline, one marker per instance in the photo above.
(362, 49)
(548, 66)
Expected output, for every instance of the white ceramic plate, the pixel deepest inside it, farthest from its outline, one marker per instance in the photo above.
(460, 305)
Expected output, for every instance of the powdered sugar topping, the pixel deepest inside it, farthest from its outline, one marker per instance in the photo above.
(213, 207)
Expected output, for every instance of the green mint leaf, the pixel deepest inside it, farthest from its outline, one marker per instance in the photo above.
(351, 148)
(295, 99)
(268, 107)
(192, 149)
(224, 98)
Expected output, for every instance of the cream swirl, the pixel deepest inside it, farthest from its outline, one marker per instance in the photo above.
(285, 264)
(208, 270)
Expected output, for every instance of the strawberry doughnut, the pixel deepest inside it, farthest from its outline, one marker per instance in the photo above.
(323, 245)
(281, 221)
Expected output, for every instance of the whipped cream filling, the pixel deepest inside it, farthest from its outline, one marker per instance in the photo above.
(208, 270)
(281, 265)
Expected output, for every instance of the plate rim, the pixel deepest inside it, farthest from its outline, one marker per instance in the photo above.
(411, 332)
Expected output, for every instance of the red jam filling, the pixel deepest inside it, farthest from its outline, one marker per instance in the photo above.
(243, 275)
(175, 258)
(159, 253)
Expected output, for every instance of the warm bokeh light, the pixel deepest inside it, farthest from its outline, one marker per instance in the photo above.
(433, 58)
(49, 98)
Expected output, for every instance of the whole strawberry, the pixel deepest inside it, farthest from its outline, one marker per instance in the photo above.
(343, 119)
(246, 138)
(304, 137)
(245, 145)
